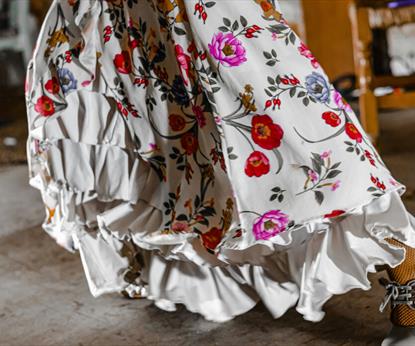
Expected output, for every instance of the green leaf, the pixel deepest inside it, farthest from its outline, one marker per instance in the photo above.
(223, 29)
(271, 63)
(267, 55)
(292, 92)
(268, 92)
(271, 80)
(316, 166)
(181, 217)
(210, 4)
(333, 174)
(274, 53)
(244, 22)
(319, 197)
(292, 38)
(306, 101)
(179, 31)
(235, 25)
(335, 165)
(226, 21)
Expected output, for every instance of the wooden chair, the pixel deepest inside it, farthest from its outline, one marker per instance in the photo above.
(365, 16)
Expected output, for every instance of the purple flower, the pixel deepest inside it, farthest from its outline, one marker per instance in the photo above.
(335, 185)
(67, 80)
(318, 87)
(270, 224)
(227, 49)
(338, 99)
(312, 175)
(326, 154)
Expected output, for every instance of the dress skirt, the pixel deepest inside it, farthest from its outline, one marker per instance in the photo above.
(195, 152)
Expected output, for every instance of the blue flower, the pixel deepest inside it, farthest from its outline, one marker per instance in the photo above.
(67, 80)
(318, 87)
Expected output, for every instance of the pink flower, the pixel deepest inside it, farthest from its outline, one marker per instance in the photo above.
(338, 99)
(153, 147)
(393, 182)
(180, 227)
(335, 185)
(270, 224)
(305, 51)
(326, 154)
(227, 49)
(312, 175)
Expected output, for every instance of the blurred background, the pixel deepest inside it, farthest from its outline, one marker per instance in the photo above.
(367, 48)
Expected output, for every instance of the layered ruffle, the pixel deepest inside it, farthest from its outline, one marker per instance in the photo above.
(322, 258)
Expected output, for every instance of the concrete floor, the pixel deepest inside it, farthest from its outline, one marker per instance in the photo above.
(44, 299)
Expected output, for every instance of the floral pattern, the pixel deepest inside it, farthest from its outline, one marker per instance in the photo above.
(231, 113)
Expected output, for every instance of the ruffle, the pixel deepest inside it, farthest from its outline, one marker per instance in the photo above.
(324, 257)
(327, 259)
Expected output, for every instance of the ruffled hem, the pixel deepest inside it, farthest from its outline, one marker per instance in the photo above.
(326, 257)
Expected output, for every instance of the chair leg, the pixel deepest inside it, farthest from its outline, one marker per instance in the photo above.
(369, 114)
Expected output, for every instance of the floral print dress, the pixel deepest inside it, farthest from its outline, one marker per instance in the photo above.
(195, 152)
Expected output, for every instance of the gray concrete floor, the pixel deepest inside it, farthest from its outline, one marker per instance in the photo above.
(44, 299)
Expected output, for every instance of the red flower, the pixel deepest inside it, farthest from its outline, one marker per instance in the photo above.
(52, 85)
(133, 44)
(45, 106)
(370, 158)
(189, 143)
(176, 122)
(122, 62)
(257, 164)
(294, 80)
(335, 213)
(353, 132)
(265, 133)
(331, 119)
(212, 238)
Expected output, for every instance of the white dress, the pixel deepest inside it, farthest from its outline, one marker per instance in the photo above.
(195, 152)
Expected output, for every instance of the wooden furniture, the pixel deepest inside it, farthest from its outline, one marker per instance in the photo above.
(365, 16)
(328, 34)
